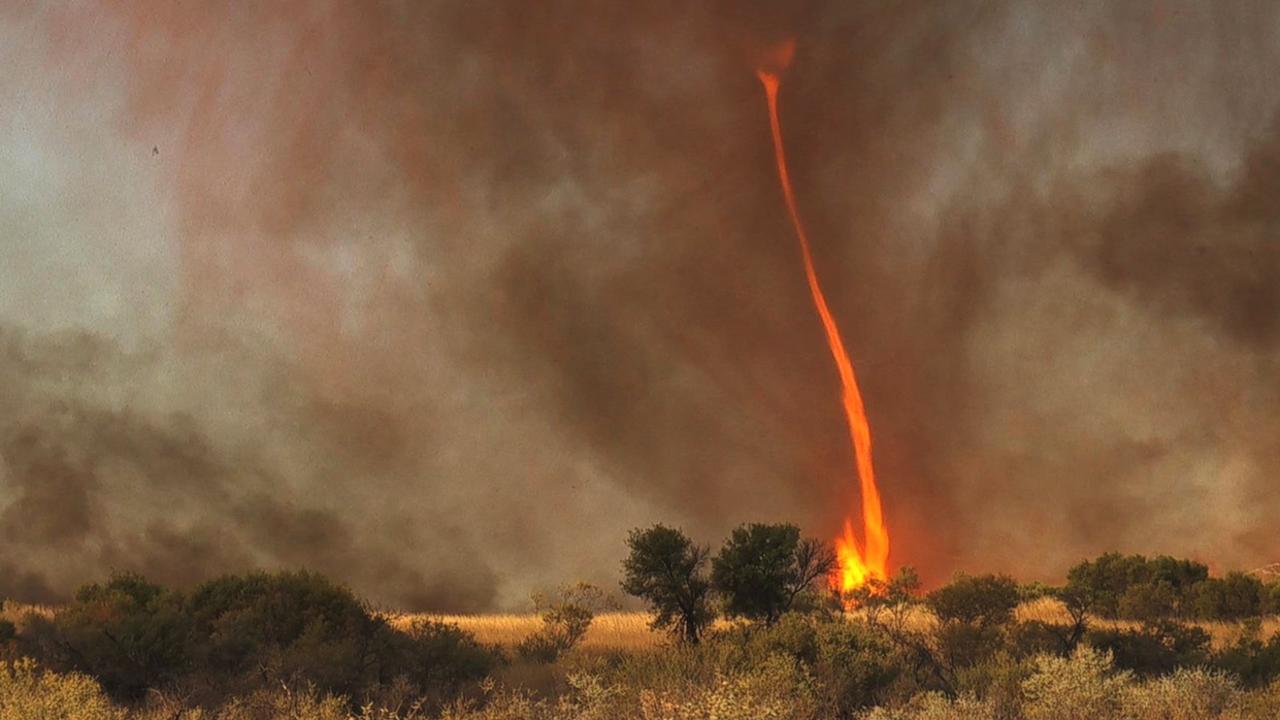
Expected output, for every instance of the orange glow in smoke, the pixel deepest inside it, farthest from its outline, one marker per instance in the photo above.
(857, 562)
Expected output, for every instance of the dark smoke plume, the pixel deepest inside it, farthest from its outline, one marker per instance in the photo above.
(442, 298)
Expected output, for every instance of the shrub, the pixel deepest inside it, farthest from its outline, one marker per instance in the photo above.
(1108, 579)
(668, 570)
(288, 627)
(1188, 694)
(972, 614)
(985, 600)
(1234, 597)
(237, 634)
(1254, 662)
(27, 693)
(8, 631)
(778, 689)
(439, 660)
(1081, 687)
(762, 569)
(854, 667)
(1156, 648)
(566, 617)
(935, 706)
(1149, 601)
(284, 703)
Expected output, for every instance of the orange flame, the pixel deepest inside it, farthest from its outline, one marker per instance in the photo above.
(857, 563)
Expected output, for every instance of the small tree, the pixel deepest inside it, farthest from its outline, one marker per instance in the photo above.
(668, 570)
(972, 613)
(764, 568)
(566, 617)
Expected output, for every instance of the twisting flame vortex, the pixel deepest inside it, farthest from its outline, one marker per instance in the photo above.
(857, 564)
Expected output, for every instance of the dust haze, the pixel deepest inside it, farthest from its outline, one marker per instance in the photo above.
(442, 298)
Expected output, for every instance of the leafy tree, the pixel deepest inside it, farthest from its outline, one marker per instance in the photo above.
(128, 633)
(668, 570)
(764, 568)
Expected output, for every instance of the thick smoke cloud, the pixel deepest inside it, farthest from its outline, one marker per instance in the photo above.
(442, 298)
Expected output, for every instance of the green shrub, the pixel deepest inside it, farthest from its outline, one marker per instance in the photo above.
(973, 613)
(984, 600)
(289, 627)
(1107, 583)
(235, 635)
(854, 667)
(1156, 648)
(1254, 662)
(1235, 596)
(566, 617)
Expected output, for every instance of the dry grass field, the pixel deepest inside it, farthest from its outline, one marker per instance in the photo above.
(630, 630)
(611, 631)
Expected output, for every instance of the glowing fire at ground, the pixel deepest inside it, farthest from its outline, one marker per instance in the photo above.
(857, 563)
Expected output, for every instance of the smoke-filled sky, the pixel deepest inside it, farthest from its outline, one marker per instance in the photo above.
(442, 298)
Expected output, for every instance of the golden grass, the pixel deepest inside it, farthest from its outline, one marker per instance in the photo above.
(609, 631)
(1223, 633)
(630, 630)
(17, 612)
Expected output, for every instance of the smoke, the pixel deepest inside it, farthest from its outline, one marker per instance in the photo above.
(442, 298)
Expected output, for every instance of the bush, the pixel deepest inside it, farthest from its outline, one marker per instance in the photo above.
(289, 627)
(1081, 687)
(1254, 662)
(973, 613)
(27, 693)
(984, 601)
(1108, 583)
(1234, 597)
(237, 634)
(1156, 648)
(1188, 694)
(853, 666)
(566, 617)
(439, 660)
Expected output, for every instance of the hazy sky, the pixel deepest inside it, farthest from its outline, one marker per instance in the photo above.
(442, 298)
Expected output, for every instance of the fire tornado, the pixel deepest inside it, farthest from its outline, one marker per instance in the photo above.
(858, 562)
